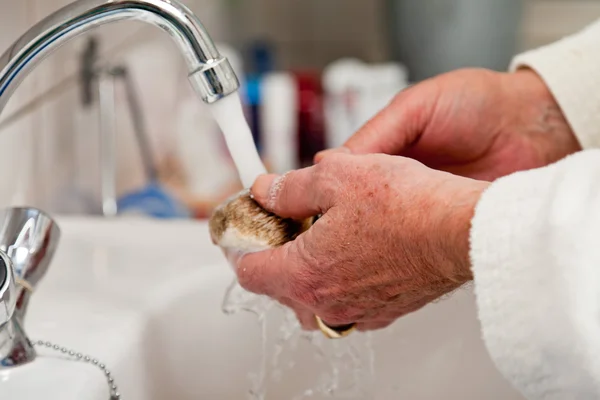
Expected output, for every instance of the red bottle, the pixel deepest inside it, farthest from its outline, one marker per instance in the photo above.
(311, 118)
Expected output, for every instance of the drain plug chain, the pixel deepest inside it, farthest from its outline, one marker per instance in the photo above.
(114, 392)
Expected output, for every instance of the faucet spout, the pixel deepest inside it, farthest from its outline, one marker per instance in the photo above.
(210, 74)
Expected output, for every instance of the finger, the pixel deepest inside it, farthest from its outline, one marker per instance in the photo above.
(272, 272)
(396, 127)
(293, 195)
(322, 154)
(373, 326)
(305, 317)
(264, 272)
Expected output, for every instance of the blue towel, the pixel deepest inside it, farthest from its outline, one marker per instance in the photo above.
(152, 201)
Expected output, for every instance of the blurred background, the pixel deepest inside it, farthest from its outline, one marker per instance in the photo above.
(109, 124)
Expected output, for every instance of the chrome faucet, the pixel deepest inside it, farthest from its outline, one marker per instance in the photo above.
(210, 74)
(8, 302)
(27, 236)
(28, 240)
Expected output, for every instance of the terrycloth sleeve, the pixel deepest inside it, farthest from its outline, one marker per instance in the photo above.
(535, 252)
(571, 70)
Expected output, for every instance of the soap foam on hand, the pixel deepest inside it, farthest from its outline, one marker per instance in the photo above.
(229, 114)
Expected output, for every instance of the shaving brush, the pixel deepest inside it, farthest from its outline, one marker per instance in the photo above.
(240, 225)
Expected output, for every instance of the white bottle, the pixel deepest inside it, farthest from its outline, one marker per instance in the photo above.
(380, 84)
(356, 92)
(342, 86)
(279, 121)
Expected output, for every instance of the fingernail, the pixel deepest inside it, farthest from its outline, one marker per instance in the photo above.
(261, 188)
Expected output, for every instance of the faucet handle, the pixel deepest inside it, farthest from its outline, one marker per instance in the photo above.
(29, 238)
(8, 290)
(15, 347)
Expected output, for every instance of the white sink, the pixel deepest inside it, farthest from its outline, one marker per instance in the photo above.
(145, 298)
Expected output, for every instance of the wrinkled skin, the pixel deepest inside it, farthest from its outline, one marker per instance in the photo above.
(475, 123)
(393, 235)
(383, 247)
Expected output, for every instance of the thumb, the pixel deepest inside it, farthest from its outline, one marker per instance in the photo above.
(270, 272)
(295, 195)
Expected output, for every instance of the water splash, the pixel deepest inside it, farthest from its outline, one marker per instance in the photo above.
(305, 363)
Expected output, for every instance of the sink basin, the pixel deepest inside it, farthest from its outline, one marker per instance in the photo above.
(145, 298)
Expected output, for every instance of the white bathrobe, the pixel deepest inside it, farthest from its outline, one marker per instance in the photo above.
(535, 244)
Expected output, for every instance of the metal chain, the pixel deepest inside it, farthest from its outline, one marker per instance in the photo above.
(114, 392)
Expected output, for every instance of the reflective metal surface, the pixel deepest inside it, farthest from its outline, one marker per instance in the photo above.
(211, 74)
(8, 291)
(15, 347)
(28, 240)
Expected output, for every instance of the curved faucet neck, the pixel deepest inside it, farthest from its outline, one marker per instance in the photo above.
(211, 74)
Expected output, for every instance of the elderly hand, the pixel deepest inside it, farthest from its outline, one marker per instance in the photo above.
(474, 123)
(394, 233)
(393, 236)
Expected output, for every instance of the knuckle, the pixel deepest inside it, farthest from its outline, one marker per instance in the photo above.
(331, 175)
(321, 172)
(305, 253)
(332, 162)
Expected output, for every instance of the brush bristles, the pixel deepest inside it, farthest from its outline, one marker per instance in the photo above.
(241, 224)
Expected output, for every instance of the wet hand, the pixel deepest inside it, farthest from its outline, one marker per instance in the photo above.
(393, 236)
